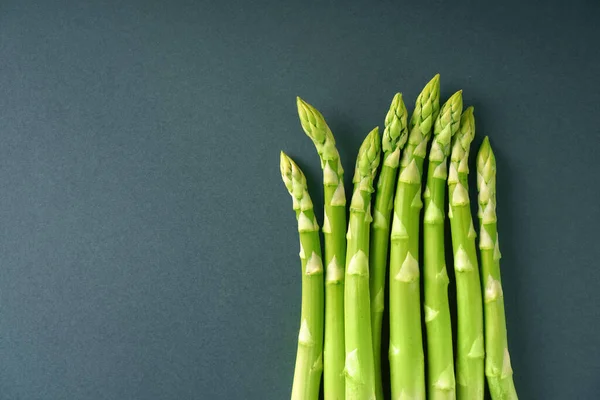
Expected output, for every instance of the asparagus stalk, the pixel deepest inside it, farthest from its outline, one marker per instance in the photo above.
(406, 345)
(309, 357)
(360, 369)
(497, 360)
(437, 309)
(470, 352)
(394, 139)
(334, 230)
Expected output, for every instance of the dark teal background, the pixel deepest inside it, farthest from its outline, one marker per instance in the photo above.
(148, 249)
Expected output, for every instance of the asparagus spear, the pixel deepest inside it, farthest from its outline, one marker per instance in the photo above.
(309, 357)
(334, 230)
(470, 353)
(360, 369)
(497, 361)
(394, 139)
(437, 310)
(406, 345)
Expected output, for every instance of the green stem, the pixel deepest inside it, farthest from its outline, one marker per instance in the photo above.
(309, 357)
(497, 361)
(470, 351)
(394, 139)
(334, 231)
(440, 365)
(406, 344)
(360, 369)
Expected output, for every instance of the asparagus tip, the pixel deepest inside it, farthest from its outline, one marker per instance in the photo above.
(285, 167)
(395, 132)
(456, 97)
(486, 142)
(434, 82)
(447, 124)
(285, 163)
(303, 109)
(427, 107)
(373, 136)
(293, 178)
(485, 155)
(300, 102)
(467, 122)
(368, 156)
(288, 167)
(430, 91)
(462, 140)
(314, 125)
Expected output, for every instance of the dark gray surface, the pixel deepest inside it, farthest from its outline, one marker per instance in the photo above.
(148, 247)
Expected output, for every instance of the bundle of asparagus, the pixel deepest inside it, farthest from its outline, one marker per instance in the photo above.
(343, 297)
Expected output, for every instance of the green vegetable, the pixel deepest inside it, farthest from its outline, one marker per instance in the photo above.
(309, 358)
(394, 139)
(334, 231)
(440, 365)
(469, 353)
(497, 360)
(360, 369)
(406, 345)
